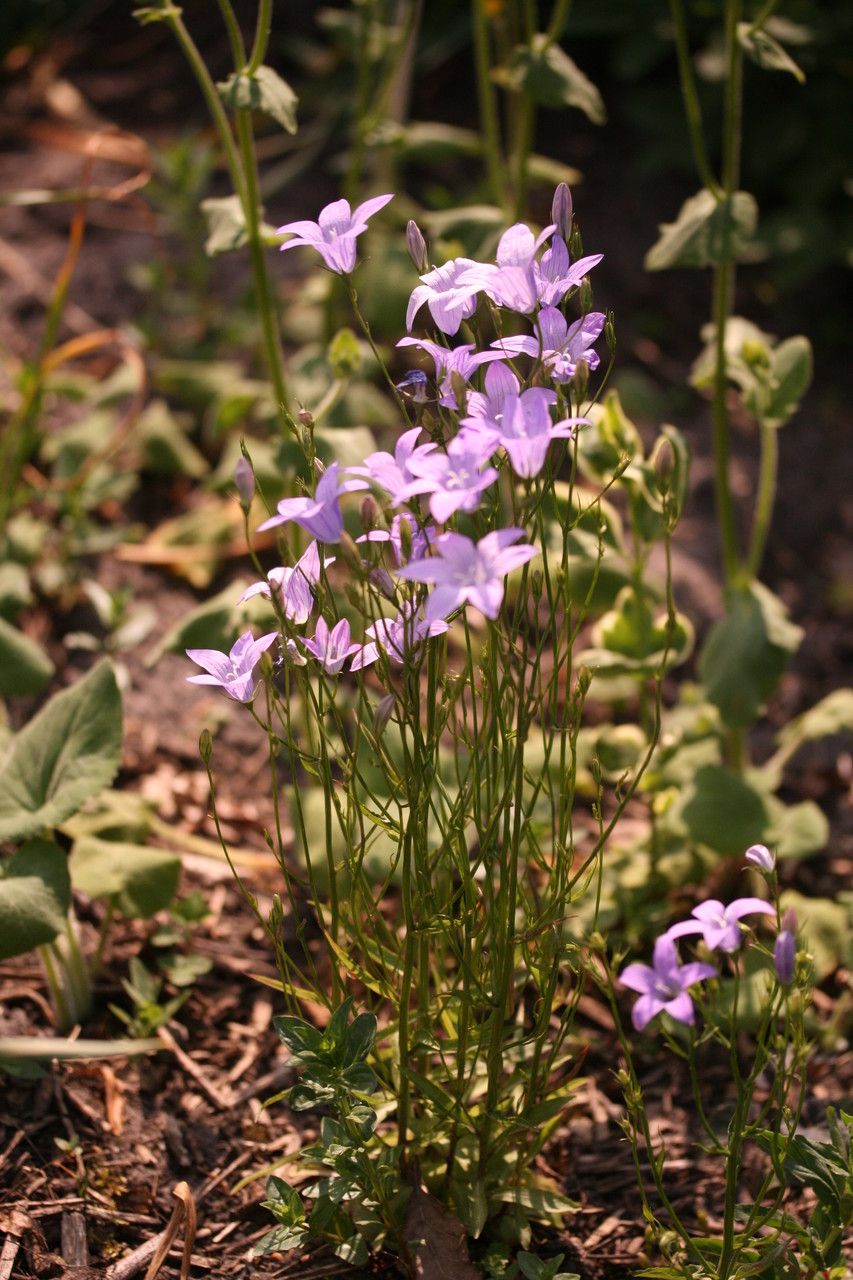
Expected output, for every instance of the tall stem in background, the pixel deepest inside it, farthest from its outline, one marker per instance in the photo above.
(488, 104)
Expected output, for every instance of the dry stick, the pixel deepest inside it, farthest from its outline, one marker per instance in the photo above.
(8, 1254)
(222, 1101)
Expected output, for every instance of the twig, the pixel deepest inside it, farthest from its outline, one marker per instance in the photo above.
(222, 1101)
(8, 1254)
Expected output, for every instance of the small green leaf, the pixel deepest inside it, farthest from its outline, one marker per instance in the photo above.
(138, 880)
(746, 652)
(265, 91)
(35, 892)
(226, 225)
(299, 1036)
(724, 812)
(796, 830)
(766, 52)
(25, 668)
(833, 714)
(344, 354)
(279, 1240)
(359, 1037)
(790, 378)
(697, 237)
(67, 753)
(549, 76)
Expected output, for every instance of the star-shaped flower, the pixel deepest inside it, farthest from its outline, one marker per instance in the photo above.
(664, 984)
(466, 572)
(232, 672)
(334, 233)
(719, 925)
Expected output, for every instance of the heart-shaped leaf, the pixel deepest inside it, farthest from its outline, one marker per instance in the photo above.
(24, 666)
(698, 236)
(723, 811)
(35, 890)
(67, 753)
(137, 879)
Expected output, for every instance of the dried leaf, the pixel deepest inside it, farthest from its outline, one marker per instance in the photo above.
(436, 1239)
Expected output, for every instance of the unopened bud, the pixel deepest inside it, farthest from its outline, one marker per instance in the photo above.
(761, 857)
(417, 247)
(575, 244)
(383, 582)
(585, 296)
(580, 381)
(369, 513)
(537, 581)
(383, 712)
(610, 332)
(306, 417)
(244, 480)
(561, 211)
(663, 461)
(205, 746)
(583, 680)
(350, 553)
(460, 392)
(405, 541)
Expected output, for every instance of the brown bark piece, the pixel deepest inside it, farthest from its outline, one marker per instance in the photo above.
(436, 1240)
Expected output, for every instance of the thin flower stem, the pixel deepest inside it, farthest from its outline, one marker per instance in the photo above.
(766, 498)
(488, 105)
(692, 109)
(262, 36)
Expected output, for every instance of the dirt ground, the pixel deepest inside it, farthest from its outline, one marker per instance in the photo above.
(132, 1131)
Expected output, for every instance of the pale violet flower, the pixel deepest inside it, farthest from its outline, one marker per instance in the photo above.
(331, 648)
(419, 538)
(449, 360)
(321, 515)
(232, 672)
(664, 984)
(525, 429)
(758, 855)
(557, 344)
(719, 925)
(555, 275)
(512, 282)
(392, 471)
(466, 572)
(334, 233)
(397, 636)
(785, 949)
(293, 587)
(448, 304)
(455, 479)
(499, 382)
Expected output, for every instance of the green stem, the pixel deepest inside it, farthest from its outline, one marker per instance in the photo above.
(766, 498)
(724, 280)
(262, 36)
(47, 954)
(488, 106)
(692, 109)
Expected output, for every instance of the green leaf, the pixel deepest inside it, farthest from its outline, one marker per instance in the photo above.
(631, 640)
(766, 52)
(790, 377)
(724, 812)
(549, 76)
(359, 1037)
(833, 714)
(25, 668)
(746, 652)
(826, 929)
(35, 893)
(299, 1036)
(280, 1240)
(67, 753)
(697, 237)
(265, 91)
(344, 354)
(137, 879)
(226, 225)
(284, 1202)
(796, 830)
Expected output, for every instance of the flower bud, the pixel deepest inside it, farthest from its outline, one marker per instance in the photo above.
(761, 857)
(306, 418)
(417, 247)
(369, 513)
(383, 582)
(350, 554)
(610, 332)
(460, 392)
(205, 746)
(585, 296)
(575, 244)
(383, 711)
(580, 381)
(561, 211)
(785, 953)
(244, 480)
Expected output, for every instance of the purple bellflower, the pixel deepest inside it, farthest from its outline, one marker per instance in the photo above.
(664, 984)
(559, 345)
(555, 277)
(785, 949)
(448, 304)
(499, 382)
(391, 471)
(449, 360)
(293, 586)
(758, 855)
(397, 636)
(232, 672)
(321, 515)
(719, 925)
(466, 572)
(524, 428)
(512, 283)
(334, 233)
(454, 480)
(331, 648)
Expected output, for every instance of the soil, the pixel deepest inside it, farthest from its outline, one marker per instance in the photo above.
(94, 1156)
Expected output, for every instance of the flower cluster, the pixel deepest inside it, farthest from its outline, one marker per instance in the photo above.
(495, 409)
(664, 985)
